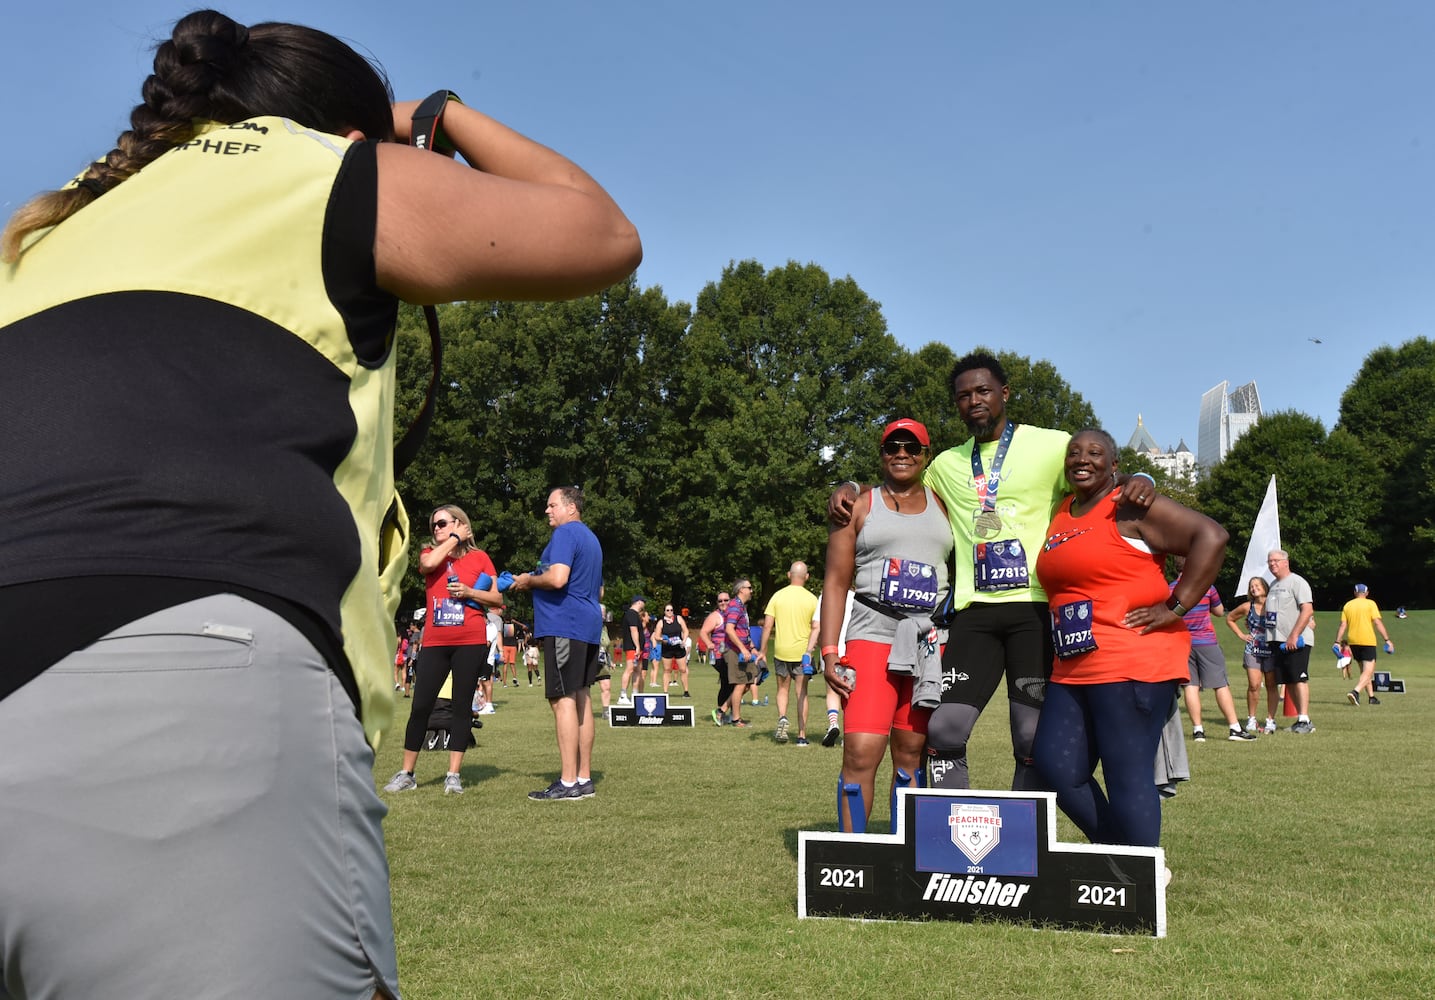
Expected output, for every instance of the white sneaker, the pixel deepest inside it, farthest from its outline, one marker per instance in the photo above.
(1251, 725)
(401, 782)
(623, 699)
(452, 785)
(1270, 724)
(487, 709)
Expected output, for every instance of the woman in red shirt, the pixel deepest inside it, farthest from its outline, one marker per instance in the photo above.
(455, 639)
(1121, 646)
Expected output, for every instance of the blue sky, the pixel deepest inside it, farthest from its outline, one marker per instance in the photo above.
(1154, 196)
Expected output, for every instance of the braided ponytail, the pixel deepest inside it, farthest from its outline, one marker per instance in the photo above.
(213, 69)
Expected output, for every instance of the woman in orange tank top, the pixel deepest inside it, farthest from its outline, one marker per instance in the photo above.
(1121, 646)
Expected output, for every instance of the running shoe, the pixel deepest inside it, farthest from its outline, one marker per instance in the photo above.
(452, 785)
(1270, 726)
(1373, 700)
(781, 734)
(585, 788)
(1199, 735)
(401, 782)
(801, 741)
(1239, 735)
(1303, 727)
(717, 717)
(1353, 697)
(556, 793)
(740, 724)
(830, 740)
(1251, 724)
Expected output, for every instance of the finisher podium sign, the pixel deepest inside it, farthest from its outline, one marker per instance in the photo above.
(650, 710)
(960, 854)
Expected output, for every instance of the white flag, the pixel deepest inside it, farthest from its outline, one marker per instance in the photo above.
(1265, 536)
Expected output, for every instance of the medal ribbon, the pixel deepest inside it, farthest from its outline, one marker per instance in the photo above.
(994, 481)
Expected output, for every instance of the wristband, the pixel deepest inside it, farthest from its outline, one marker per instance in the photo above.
(829, 649)
(1146, 476)
(856, 486)
(1175, 605)
(427, 129)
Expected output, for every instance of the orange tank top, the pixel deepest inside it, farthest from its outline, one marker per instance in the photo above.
(1090, 571)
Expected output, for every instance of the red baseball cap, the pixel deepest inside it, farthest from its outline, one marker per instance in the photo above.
(911, 427)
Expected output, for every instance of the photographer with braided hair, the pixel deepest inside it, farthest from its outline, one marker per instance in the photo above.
(199, 380)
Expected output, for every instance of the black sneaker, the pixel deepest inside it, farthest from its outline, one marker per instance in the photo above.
(1199, 735)
(1239, 735)
(585, 789)
(830, 740)
(555, 793)
(1373, 700)
(1353, 697)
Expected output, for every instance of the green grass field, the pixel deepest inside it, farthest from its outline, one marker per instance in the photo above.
(1303, 864)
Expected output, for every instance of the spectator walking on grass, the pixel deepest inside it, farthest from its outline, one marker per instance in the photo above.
(739, 656)
(1359, 621)
(787, 626)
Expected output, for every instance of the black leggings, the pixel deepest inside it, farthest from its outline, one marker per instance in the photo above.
(989, 642)
(434, 665)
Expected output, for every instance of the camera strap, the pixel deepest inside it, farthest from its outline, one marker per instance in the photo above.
(426, 133)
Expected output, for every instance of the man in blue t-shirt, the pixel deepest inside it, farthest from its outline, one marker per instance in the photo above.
(568, 624)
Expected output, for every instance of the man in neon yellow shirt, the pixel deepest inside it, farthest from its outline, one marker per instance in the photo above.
(789, 614)
(1360, 618)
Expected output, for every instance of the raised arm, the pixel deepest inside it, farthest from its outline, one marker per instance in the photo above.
(523, 222)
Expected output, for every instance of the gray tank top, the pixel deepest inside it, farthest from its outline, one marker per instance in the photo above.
(901, 562)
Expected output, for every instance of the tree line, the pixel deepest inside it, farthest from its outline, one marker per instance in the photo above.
(707, 437)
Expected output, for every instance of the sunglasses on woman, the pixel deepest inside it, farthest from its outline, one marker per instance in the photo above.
(900, 445)
(443, 524)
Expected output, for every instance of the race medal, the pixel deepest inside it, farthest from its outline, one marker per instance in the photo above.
(1000, 565)
(988, 523)
(1071, 630)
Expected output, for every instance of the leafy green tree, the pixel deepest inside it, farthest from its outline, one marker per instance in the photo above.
(536, 395)
(1325, 525)
(1390, 409)
(778, 396)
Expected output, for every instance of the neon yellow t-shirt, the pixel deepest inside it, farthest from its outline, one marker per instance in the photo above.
(791, 609)
(1033, 479)
(1360, 616)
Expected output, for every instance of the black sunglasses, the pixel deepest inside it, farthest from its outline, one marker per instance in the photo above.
(443, 524)
(891, 447)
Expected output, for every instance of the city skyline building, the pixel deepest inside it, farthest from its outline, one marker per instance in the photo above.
(1177, 462)
(1225, 416)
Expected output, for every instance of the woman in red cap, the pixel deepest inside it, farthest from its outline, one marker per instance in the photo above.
(893, 554)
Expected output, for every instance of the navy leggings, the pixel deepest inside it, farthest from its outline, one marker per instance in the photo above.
(1118, 724)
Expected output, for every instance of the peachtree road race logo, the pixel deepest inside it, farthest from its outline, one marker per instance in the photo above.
(976, 829)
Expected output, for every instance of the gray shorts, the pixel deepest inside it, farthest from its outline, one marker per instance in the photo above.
(206, 826)
(1208, 668)
(787, 668)
(1265, 664)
